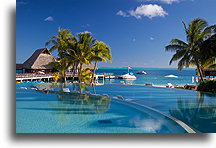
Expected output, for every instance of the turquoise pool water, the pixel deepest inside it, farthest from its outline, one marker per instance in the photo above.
(58, 112)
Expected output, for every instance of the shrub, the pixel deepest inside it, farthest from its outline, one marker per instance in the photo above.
(207, 86)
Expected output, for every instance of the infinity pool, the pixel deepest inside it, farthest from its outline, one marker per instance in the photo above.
(112, 109)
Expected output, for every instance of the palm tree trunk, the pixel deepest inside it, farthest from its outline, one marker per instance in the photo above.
(80, 73)
(200, 72)
(95, 65)
(199, 68)
(74, 70)
(63, 77)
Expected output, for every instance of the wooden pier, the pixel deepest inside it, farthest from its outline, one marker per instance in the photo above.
(33, 77)
(24, 77)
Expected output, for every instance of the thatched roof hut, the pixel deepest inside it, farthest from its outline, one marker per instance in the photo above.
(39, 60)
(19, 66)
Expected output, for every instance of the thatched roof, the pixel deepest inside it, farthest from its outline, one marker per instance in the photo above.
(39, 60)
(19, 66)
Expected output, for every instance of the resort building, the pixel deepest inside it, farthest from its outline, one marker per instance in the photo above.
(39, 63)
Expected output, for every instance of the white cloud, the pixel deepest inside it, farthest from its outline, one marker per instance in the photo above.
(163, 1)
(122, 13)
(84, 32)
(169, 1)
(150, 11)
(50, 18)
(151, 38)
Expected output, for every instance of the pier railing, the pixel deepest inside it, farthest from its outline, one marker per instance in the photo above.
(35, 76)
(45, 77)
(30, 75)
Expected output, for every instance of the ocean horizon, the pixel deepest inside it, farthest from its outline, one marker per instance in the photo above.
(154, 75)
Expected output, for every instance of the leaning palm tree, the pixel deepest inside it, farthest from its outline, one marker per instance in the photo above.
(102, 53)
(188, 53)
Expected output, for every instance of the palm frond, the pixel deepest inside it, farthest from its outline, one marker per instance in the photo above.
(178, 55)
(174, 47)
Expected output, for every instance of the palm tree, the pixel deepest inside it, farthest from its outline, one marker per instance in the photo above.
(102, 53)
(77, 50)
(62, 66)
(208, 50)
(72, 53)
(188, 53)
(60, 41)
(83, 50)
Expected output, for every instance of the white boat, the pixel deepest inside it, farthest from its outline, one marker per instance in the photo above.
(171, 76)
(128, 76)
(141, 72)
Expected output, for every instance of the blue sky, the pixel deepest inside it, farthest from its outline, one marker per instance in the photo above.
(136, 30)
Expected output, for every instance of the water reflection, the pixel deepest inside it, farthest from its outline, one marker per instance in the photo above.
(77, 100)
(74, 105)
(199, 115)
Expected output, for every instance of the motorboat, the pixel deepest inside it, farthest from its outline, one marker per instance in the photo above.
(141, 72)
(128, 76)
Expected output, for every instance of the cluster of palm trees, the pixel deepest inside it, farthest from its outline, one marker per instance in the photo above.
(76, 51)
(199, 49)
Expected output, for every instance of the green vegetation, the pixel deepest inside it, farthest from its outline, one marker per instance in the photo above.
(207, 86)
(75, 51)
(62, 66)
(199, 50)
(101, 54)
(56, 76)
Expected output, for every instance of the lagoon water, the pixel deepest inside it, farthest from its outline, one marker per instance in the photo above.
(154, 75)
